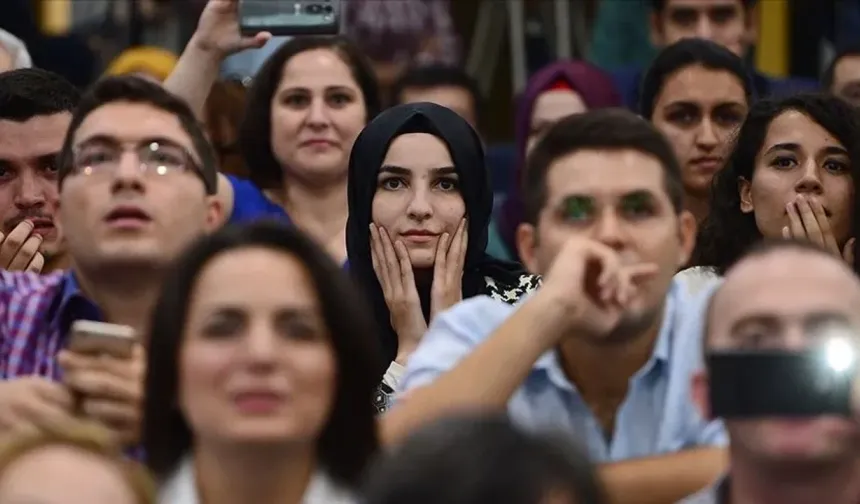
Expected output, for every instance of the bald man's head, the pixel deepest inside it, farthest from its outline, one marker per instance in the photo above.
(776, 283)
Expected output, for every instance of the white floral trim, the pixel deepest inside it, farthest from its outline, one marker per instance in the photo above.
(512, 293)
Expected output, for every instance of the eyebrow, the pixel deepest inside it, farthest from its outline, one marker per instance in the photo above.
(810, 321)
(793, 147)
(103, 139)
(399, 170)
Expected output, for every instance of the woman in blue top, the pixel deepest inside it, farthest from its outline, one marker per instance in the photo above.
(305, 108)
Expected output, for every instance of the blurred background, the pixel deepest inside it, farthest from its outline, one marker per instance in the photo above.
(499, 42)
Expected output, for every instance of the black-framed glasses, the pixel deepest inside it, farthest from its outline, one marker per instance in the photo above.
(156, 158)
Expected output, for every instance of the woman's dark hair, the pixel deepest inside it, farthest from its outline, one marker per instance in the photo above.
(349, 439)
(727, 232)
(256, 129)
(686, 53)
(482, 459)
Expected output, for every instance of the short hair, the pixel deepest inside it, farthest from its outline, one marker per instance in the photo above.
(761, 249)
(136, 90)
(727, 233)
(827, 78)
(439, 75)
(30, 92)
(255, 133)
(88, 439)
(349, 438)
(465, 460)
(658, 5)
(609, 129)
(686, 53)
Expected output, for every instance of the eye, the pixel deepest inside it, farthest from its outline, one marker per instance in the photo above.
(51, 164)
(448, 184)
(340, 99)
(296, 100)
(224, 324)
(728, 118)
(392, 183)
(783, 162)
(836, 166)
(683, 117)
(637, 207)
(577, 209)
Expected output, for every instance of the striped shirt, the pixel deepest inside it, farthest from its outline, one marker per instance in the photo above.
(36, 312)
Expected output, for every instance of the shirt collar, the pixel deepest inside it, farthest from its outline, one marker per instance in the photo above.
(72, 305)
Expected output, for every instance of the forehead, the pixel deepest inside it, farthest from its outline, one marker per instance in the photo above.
(605, 174)
(701, 5)
(446, 95)
(35, 137)
(555, 104)
(317, 68)
(701, 85)
(418, 151)
(796, 127)
(786, 284)
(129, 122)
(847, 69)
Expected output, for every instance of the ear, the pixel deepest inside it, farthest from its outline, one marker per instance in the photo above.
(687, 229)
(745, 192)
(655, 32)
(700, 390)
(526, 237)
(215, 217)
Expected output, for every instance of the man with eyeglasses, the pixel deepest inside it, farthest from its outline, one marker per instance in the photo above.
(137, 180)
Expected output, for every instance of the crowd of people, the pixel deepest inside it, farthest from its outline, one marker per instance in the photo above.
(333, 302)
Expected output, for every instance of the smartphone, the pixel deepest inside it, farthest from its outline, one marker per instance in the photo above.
(290, 17)
(94, 338)
(782, 383)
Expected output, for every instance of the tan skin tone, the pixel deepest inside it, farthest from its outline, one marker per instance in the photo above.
(846, 79)
(549, 107)
(801, 187)
(455, 98)
(725, 22)
(698, 110)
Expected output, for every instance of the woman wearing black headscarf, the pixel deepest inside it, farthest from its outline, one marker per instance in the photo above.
(419, 212)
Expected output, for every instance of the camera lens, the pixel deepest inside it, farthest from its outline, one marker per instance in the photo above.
(313, 9)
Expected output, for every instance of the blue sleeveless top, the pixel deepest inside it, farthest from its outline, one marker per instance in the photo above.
(250, 204)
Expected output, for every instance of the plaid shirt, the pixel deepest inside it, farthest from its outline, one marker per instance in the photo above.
(36, 312)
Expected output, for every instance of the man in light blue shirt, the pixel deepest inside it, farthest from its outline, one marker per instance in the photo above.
(606, 349)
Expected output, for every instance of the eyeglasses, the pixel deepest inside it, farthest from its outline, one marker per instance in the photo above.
(158, 158)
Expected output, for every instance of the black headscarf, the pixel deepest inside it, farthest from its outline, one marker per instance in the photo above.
(466, 151)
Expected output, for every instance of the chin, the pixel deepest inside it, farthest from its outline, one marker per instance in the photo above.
(422, 258)
(268, 431)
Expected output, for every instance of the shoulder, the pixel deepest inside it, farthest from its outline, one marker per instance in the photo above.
(696, 281)
(513, 290)
(248, 202)
(324, 490)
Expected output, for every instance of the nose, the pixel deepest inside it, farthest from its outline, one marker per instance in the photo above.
(608, 230)
(260, 344)
(809, 181)
(707, 138)
(419, 208)
(128, 174)
(704, 29)
(31, 193)
(318, 114)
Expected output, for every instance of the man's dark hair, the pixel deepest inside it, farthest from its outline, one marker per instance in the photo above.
(603, 129)
(30, 92)
(136, 90)
(659, 5)
(829, 73)
(348, 439)
(469, 460)
(686, 53)
(439, 75)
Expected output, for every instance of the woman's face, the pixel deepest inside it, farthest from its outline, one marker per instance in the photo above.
(698, 110)
(549, 107)
(256, 362)
(418, 195)
(316, 113)
(799, 157)
(76, 477)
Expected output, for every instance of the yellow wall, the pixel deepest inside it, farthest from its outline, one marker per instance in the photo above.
(772, 49)
(55, 16)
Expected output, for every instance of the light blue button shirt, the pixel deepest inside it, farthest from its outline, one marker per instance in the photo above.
(658, 415)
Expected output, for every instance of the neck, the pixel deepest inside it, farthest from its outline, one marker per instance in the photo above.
(837, 483)
(125, 296)
(262, 475)
(320, 212)
(56, 262)
(584, 363)
(697, 205)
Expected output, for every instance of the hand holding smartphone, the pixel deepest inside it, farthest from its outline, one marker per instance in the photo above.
(99, 338)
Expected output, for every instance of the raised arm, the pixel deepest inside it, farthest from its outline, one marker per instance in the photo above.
(216, 37)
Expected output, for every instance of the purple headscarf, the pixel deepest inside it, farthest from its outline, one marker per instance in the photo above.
(596, 89)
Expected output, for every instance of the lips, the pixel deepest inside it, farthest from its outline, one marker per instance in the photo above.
(708, 163)
(127, 212)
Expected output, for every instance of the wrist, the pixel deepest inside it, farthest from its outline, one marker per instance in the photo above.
(551, 314)
(206, 48)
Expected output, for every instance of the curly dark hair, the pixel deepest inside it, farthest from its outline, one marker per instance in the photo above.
(727, 232)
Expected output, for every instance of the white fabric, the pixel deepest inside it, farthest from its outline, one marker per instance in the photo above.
(16, 48)
(181, 488)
